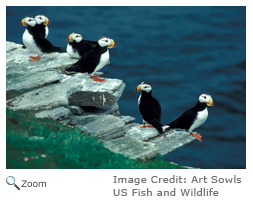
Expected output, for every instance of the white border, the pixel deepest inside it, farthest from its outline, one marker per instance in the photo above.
(84, 184)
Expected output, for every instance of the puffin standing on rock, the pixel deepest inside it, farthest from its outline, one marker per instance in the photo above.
(95, 59)
(194, 117)
(34, 40)
(77, 46)
(149, 107)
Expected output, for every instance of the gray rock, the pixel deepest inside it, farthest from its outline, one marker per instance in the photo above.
(108, 110)
(56, 95)
(31, 80)
(143, 134)
(127, 119)
(83, 119)
(172, 140)
(132, 148)
(76, 110)
(17, 60)
(130, 125)
(96, 94)
(100, 110)
(10, 46)
(111, 110)
(165, 142)
(42, 98)
(103, 127)
(23, 74)
(55, 113)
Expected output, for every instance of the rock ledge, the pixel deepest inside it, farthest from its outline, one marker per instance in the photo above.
(78, 101)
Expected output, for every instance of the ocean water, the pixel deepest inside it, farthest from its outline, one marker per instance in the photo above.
(182, 52)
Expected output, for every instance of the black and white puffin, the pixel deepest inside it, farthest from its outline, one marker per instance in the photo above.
(194, 117)
(149, 107)
(34, 41)
(77, 46)
(42, 22)
(95, 59)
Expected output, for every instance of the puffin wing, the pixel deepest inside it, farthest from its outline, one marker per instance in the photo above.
(151, 112)
(185, 120)
(87, 45)
(155, 123)
(45, 45)
(87, 63)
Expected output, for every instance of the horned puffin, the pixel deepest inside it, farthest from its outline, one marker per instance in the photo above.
(95, 59)
(149, 107)
(34, 41)
(194, 117)
(42, 21)
(77, 46)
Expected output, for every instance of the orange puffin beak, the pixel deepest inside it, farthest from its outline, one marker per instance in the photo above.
(112, 45)
(23, 23)
(210, 102)
(69, 38)
(47, 22)
(138, 88)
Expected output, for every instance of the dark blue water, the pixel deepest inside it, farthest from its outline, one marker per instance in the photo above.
(183, 52)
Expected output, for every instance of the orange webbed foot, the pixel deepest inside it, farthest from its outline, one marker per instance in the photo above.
(95, 78)
(197, 135)
(144, 126)
(35, 58)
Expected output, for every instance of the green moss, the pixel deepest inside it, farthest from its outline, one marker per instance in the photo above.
(45, 143)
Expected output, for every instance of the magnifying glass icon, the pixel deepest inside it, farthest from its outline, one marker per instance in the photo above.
(11, 181)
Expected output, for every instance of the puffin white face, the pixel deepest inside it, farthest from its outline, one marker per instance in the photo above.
(77, 37)
(104, 41)
(28, 21)
(206, 98)
(144, 87)
(42, 19)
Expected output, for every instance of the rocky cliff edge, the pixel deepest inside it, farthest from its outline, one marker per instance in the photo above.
(76, 100)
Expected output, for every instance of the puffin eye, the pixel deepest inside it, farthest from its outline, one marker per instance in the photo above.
(204, 97)
(106, 40)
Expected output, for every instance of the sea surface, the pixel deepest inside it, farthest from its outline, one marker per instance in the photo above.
(182, 52)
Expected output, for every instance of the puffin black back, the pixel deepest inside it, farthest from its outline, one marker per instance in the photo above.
(185, 120)
(86, 63)
(45, 45)
(84, 46)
